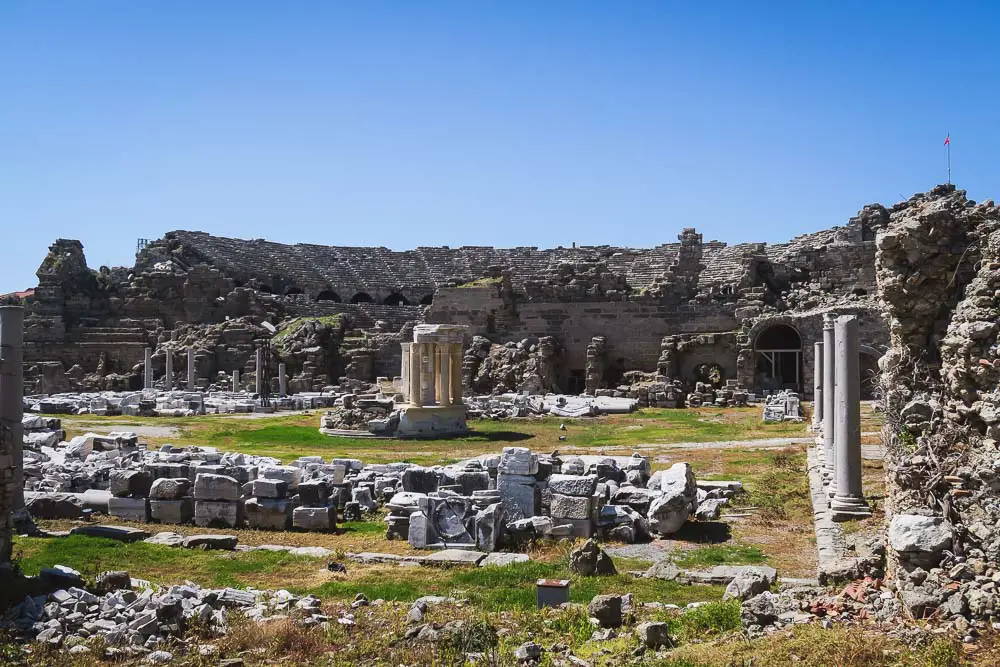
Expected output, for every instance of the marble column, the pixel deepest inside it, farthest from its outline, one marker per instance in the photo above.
(404, 371)
(829, 380)
(817, 385)
(259, 371)
(11, 412)
(444, 373)
(236, 380)
(413, 373)
(190, 369)
(848, 500)
(282, 380)
(168, 383)
(427, 393)
(456, 373)
(147, 368)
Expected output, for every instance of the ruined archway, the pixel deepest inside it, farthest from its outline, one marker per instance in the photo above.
(427, 300)
(395, 299)
(362, 297)
(778, 358)
(328, 295)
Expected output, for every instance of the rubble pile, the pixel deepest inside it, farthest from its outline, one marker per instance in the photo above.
(507, 406)
(525, 366)
(158, 403)
(489, 502)
(783, 406)
(938, 269)
(134, 617)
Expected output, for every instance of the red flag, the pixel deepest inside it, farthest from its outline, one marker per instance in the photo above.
(947, 140)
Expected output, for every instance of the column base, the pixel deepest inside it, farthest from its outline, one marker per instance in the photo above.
(431, 421)
(849, 508)
(831, 490)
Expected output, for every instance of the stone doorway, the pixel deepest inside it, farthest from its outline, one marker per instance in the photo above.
(778, 355)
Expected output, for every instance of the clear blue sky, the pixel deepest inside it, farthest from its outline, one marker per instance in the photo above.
(481, 123)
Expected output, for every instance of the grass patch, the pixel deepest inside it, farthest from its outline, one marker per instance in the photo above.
(719, 554)
(292, 326)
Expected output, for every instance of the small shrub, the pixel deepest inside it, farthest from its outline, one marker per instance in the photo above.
(714, 618)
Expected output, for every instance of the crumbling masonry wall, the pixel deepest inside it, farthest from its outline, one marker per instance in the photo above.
(938, 267)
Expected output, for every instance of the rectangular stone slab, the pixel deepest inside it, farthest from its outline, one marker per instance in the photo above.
(455, 557)
(120, 533)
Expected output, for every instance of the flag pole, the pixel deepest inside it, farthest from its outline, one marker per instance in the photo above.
(949, 158)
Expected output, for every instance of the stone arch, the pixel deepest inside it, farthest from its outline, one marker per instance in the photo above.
(395, 299)
(777, 347)
(291, 291)
(266, 289)
(427, 300)
(328, 295)
(362, 297)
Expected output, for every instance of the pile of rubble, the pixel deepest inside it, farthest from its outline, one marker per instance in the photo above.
(157, 403)
(132, 617)
(783, 406)
(486, 502)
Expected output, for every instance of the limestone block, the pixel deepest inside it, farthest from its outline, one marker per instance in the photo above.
(289, 474)
(129, 509)
(169, 489)
(269, 488)
(363, 496)
(472, 481)
(172, 511)
(216, 487)
(420, 480)
(489, 527)
(570, 507)
(265, 514)
(218, 512)
(314, 493)
(323, 519)
(129, 483)
(518, 461)
(518, 490)
(573, 485)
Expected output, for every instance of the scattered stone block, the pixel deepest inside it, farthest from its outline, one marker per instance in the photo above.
(129, 483)
(208, 486)
(269, 488)
(218, 513)
(172, 511)
(220, 542)
(129, 509)
(120, 533)
(267, 514)
(169, 489)
(322, 519)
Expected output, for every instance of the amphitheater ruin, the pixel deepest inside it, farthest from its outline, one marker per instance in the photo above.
(897, 309)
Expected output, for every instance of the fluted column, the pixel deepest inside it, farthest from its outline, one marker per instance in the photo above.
(848, 500)
(413, 370)
(427, 393)
(817, 385)
(444, 372)
(829, 382)
(456, 373)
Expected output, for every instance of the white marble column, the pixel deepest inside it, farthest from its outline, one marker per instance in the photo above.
(829, 381)
(427, 393)
(236, 380)
(147, 368)
(259, 371)
(404, 371)
(456, 373)
(817, 385)
(848, 500)
(282, 380)
(190, 369)
(413, 373)
(444, 373)
(169, 377)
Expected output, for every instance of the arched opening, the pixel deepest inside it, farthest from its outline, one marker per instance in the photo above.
(395, 299)
(293, 290)
(362, 297)
(427, 300)
(266, 289)
(328, 295)
(778, 351)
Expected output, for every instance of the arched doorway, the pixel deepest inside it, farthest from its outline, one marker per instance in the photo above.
(778, 352)
(362, 297)
(395, 299)
(328, 295)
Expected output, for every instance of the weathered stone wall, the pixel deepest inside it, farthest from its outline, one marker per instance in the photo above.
(938, 269)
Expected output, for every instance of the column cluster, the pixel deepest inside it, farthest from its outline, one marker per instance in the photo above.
(839, 406)
(432, 366)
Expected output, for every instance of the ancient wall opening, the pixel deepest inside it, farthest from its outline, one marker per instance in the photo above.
(362, 297)
(328, 295)
(778, 357)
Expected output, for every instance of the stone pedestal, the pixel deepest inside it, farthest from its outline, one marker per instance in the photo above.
(848, 501)
(829, 381)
